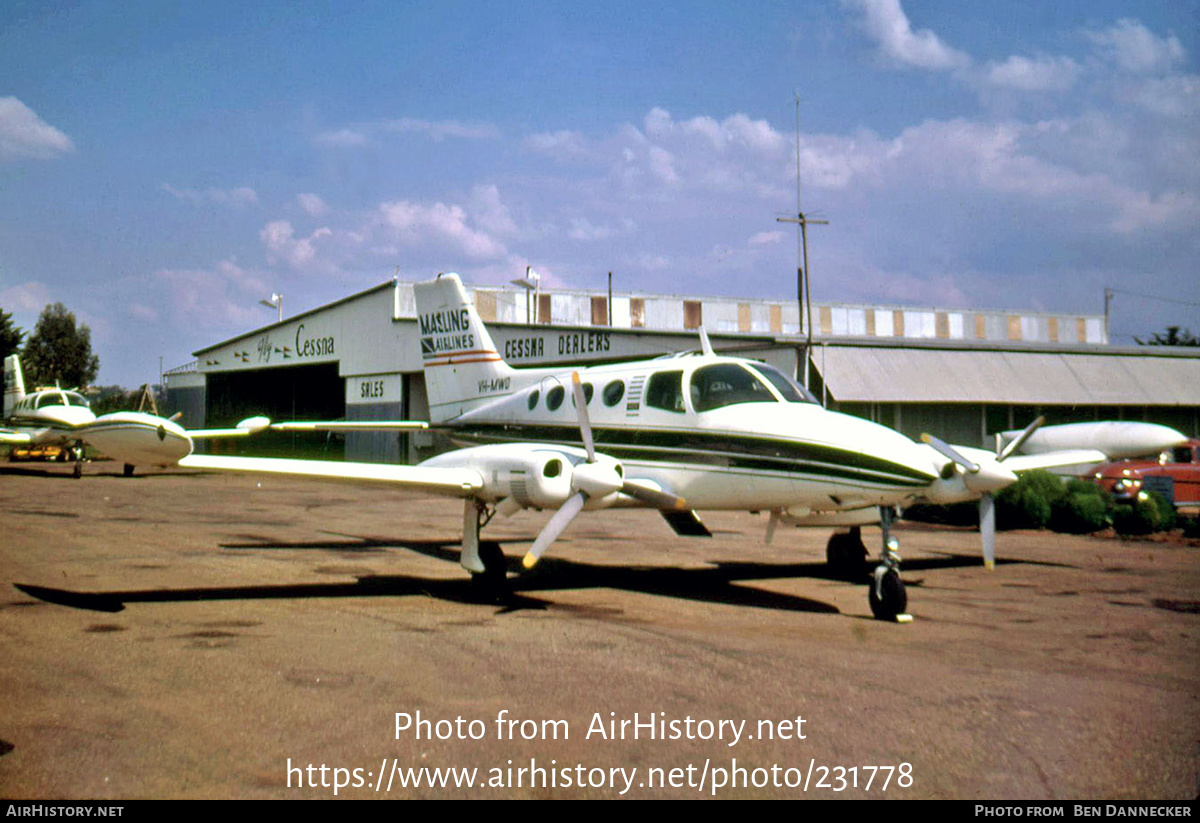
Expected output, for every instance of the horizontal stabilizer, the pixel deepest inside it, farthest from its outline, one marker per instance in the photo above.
(686, 523)
(456, 482)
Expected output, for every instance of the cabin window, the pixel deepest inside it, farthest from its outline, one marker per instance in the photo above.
(554, 398)
(727, 384)
(533, 398)
(613, 392)
(665, 391)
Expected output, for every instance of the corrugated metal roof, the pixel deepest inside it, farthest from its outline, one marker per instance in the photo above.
(916, 375)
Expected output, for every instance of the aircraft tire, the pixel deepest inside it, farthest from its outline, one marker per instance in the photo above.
(129, 470)
(887, 595)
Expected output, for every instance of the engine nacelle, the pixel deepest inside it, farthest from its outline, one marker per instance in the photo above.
(534, 475)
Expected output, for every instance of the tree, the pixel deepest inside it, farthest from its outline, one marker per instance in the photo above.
(1173, 337)
(10, 336)
(59, 352)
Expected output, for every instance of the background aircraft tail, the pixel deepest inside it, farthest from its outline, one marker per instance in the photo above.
(463, 369)
(14, 384)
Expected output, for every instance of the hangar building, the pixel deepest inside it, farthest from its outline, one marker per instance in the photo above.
(962, 374)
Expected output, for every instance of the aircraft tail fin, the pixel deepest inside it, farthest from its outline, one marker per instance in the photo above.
(14, 384)
(462, 365)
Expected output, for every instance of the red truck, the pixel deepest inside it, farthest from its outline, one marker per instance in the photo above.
(1175, 475)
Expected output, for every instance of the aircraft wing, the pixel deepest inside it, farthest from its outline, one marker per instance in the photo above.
(251, 425)
(350, 425)
(454, 482)
(1055, 459)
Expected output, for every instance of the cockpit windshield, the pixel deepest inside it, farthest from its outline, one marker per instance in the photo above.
(792, 391)
(727, 384)
(61, 398)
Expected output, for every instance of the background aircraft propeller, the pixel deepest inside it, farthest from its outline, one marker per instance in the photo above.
(986, 479)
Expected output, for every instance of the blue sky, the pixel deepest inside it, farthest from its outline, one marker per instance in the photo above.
(165, 166)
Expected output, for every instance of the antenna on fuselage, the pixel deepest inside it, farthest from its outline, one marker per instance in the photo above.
(705, 343)
(803, 289)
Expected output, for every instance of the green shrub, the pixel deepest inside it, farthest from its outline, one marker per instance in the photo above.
(1141, 517)
(1027, 504)
(1166, 511)
(1082, 508)
(1191, 526)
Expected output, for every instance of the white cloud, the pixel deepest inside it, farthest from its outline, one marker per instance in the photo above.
(440, 130)
(222, 299)
(1033, 74)
(886, 23)
(240, 196)
(415, 224)
(765, 238)
(24, 134)
(343, 138)
(30, 296)
(490, 212)
(1137, 49)
(312, 204)
(279, 238)
(560, 145)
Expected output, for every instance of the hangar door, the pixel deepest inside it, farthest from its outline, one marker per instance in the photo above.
(313, 392)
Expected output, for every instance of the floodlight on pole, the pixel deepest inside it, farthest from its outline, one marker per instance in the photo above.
(530, 282)
(276, 302)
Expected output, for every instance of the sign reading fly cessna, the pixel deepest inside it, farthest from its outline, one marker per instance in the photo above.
(682, 433)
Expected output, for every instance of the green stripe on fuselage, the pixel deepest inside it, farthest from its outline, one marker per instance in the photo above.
(714, 449)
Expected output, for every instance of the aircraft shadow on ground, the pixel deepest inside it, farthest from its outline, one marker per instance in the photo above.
(718, 583)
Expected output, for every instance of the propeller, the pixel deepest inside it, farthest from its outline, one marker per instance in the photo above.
(593, 478)
(986, 479)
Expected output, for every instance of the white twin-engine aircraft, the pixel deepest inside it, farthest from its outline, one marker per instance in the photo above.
(63, 418)
(680, 433)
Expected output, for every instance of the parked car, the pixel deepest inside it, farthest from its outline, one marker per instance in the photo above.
(1175, 475)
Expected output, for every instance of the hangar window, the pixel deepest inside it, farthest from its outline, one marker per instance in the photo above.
(533, 398)
(665, 391)
(554, 398)
(727, 384)
(613, 392)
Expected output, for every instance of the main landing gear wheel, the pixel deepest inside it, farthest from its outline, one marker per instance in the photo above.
(129, 470)
(887, 595)
(492, 582)
(846, 555)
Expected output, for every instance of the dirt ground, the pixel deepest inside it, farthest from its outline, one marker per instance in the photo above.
(183, 635)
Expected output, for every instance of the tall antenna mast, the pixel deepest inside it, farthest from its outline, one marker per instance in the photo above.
(803, 290)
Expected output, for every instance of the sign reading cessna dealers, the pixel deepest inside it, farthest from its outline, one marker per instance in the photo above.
(445, 331)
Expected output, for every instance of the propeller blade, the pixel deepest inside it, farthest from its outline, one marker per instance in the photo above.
(561, 519)
(987, 529)
(949, 451)
(585, 425)
(1020, 439)
(653, 497)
